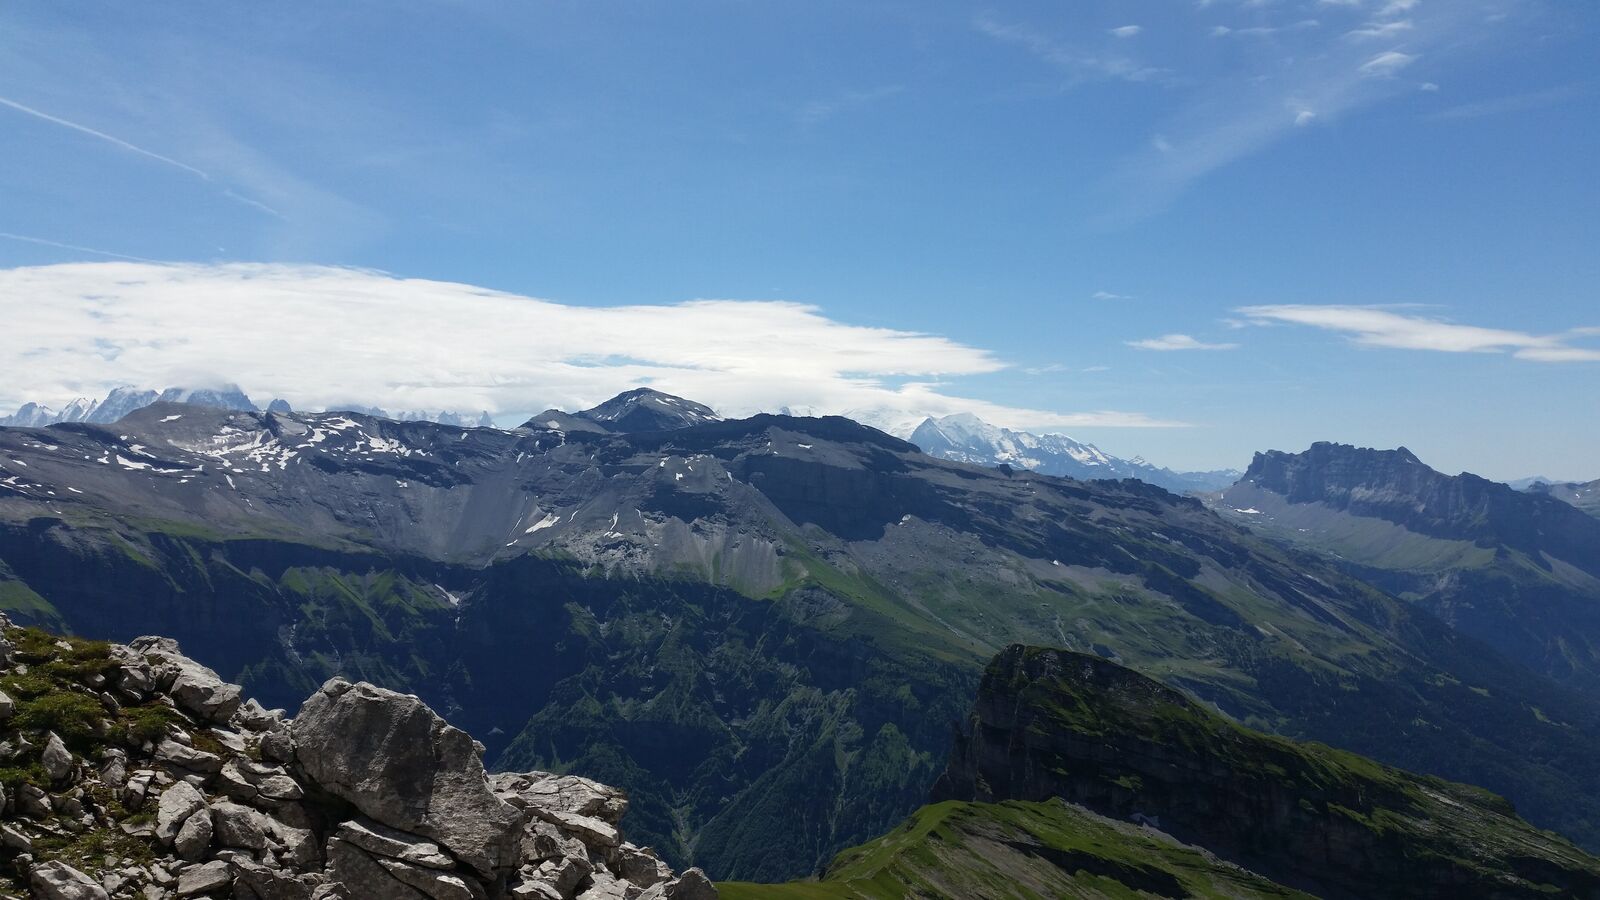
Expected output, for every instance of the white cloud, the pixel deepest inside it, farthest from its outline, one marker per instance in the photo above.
(1373, 327)
(1177, 342)
(1265, 31)
(1080, 65)
(319, 336)
(1304, 117)
(1108, 296)
(1387, 63)
(1127, 31)
(1382, 29)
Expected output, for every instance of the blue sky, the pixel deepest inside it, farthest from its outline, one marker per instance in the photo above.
(1187, 230)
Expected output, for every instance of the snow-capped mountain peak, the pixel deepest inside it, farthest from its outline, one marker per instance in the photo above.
(966, 438)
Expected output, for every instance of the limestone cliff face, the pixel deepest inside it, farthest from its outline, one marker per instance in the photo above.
(135, 772)
(1052, 723)
(1396, 486)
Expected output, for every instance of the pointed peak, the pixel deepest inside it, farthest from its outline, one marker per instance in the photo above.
(647, 409)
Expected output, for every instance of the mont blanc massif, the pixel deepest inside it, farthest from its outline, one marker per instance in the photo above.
(644, 651)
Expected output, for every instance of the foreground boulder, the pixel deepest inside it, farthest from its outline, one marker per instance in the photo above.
(402, 765)
(58, 881)
(156, 781)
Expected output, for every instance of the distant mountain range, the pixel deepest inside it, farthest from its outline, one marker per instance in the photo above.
(966, 438)
(961, 437)
(761, 628)
(1584, 495)
(124, 400)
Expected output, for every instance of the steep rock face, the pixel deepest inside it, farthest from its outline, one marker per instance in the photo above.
(167, 785)
(1519, 571)
(1052, 723)
(1396, 486)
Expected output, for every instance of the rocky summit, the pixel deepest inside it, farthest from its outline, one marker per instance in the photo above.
(134, 772)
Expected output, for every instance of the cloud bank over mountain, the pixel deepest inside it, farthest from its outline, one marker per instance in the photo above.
(322, 336)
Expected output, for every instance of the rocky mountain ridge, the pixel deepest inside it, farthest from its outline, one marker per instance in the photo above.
(122, 401)
(1584, 495)
(132, 771)
(1518, 570)
(757, 627)
(1396, 486)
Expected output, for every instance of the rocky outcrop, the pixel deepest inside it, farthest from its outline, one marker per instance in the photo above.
(1517, 570)
(398, 763)
(1396, 486)
(133, 772)
(1057, 724)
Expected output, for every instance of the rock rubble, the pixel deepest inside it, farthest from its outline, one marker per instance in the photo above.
(135, 773)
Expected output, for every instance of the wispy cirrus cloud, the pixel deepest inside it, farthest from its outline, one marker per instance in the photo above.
(232, 120)
(1376, 327)
(815, 112)
(136, 149)
(1307, 62)
(331, 336)
(1178, 342)
(101, 135)
(1513, 103)
(76, 248)
(1386, 64)
(1380, 30)
(1080, 63)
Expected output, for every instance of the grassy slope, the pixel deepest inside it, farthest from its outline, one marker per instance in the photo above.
(1123, 742)
(1018, 851)
(1096, 732)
